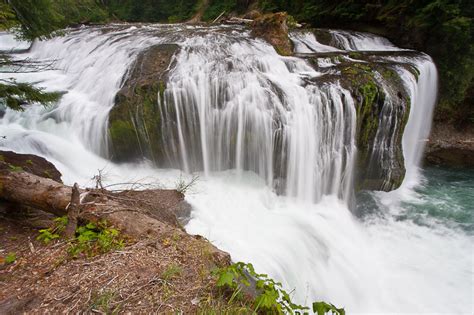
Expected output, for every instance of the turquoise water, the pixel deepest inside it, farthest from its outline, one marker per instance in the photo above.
(445, 196)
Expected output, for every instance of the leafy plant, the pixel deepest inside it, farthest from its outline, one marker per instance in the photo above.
(47, 235)
(322, 308)
(10, 258)
(270, 296)
(93, 239)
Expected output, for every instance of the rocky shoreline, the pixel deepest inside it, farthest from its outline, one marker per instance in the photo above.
(448, 146)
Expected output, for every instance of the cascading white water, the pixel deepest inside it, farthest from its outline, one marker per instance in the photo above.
(226, 85)
(239, 105)
(361, 41)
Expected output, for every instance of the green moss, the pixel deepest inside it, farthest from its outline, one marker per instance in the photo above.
(2, 158)
(122, 134)
(47, 174)
(355, 55)
(15, 169)
(367, 114)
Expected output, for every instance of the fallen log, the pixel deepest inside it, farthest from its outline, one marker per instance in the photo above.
(45, 194)
(138, 214)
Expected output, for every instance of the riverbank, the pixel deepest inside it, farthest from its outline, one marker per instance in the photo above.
(103, 268)
(448, 146)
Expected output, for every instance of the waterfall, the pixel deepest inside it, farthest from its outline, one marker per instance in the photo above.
(423, 95)
(239, 105)
(274, 140)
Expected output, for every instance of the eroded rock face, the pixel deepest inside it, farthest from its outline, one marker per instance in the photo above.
(30, 163)
(273, 28)
(382, 105)
(134, 122)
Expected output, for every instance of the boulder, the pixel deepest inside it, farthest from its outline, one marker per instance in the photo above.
(134, 121)
(30, 163)
(382, 107)
(274, 29)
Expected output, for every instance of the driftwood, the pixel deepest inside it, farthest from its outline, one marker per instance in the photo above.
(240, 21)
(137, 213)
(218, 18)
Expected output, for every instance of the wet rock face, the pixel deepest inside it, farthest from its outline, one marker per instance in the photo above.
(273, 29)
(134, 122)
(30, 163)
(382, 106)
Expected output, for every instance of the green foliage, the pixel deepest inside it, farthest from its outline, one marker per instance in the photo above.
(93, 239)
(216, 7)
(17, 95)
(90, 239)
(7, 17)
(151, 10)
(37, 18)
(10, 258)
(270, 296)
(41, 18)
(48, 235)
(322, 308)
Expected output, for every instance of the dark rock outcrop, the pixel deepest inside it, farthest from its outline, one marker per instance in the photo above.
(30, 163)
(273, 28)
(450, 147)
(134, 122)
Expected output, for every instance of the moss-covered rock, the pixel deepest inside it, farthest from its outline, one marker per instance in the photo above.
(382, 107)
(274, 29)
(135, 120)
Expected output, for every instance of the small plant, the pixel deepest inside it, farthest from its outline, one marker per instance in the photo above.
(47, 235)
(183, 186)
(103, 302)
(171, 272)
(29, 162)
(93, 239)
(270, 297)
(11, 258)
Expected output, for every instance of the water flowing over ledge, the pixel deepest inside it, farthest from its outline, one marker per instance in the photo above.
(254, 123)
